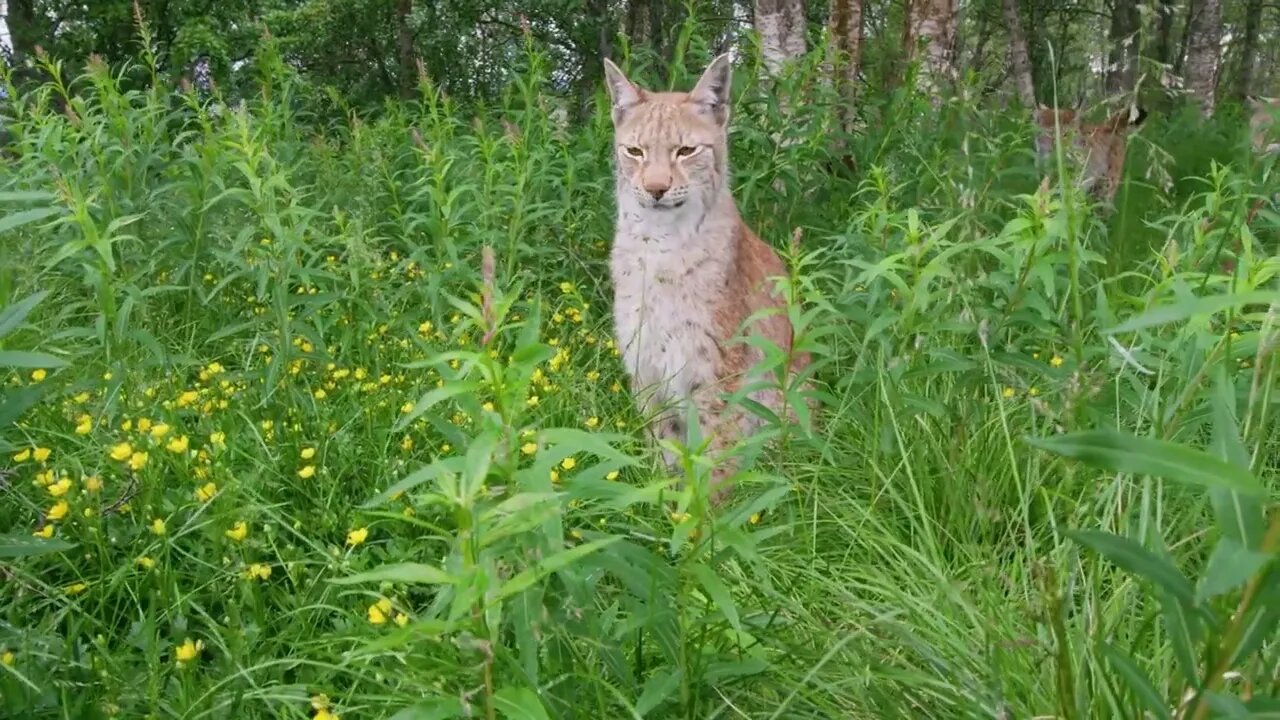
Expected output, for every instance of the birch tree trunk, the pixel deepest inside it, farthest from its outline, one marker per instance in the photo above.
(1203, 48)
(1162, 47)
(782, 31)
(1122, 56)
(931, 24)
(404, 48)
(1019, 57)
(1249, 47)
(844, 22)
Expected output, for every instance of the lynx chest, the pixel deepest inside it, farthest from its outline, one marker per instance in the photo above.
(665, 298)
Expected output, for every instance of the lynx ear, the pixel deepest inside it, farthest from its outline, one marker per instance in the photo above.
(624, 94)
(711, 94)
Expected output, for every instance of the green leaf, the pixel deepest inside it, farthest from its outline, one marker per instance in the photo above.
(527, 577)
(1239, 516)
(1190, 308)
(1183, 627)
(435, 397)
(26, 196)
(660, 686)
(1262, 618)
(1138, 682)
(437, 709)
(1230, 565)
(15, 402)
(409, 573)
(26, 359)
(18, 545)
(13, 315)
(519, 704)
(12, 221)
(1138, 560)
(718, 593)
(1121, 452)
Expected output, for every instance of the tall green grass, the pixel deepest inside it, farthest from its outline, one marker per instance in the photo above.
(397, 474)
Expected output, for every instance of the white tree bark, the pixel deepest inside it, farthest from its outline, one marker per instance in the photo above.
(782, 31)
(1019, 57)
(844, 22)
(931, 24)
(1204, 47)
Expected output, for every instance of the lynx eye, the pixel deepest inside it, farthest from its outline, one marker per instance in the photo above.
(686, 151)
(635, 152)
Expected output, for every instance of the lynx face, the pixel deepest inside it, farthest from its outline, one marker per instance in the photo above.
(671, 149)
(1100, 147)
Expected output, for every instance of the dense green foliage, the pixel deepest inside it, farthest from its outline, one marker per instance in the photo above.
(281, 437)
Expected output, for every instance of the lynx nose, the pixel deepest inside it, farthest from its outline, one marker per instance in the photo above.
(657, 192)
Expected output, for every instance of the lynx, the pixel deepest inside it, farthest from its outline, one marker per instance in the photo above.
(687, 272)
(1100, 147)
(1264, 124)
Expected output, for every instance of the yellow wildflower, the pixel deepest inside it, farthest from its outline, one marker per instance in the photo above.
(58, 511)
(81, 398)
(402, 619)
(566, 287)
(178, 444)
(679, 517)
(425, 328)
(357, 536)
(76, 588)
(531, 401)
(84, 425)
(187, 651)
(1008, 392)
(568, 463)
(41, 454)
(122, 451)
(218, 440)
(320, 394)
(1056, 361)
(157, 526)
(529, 448)
(60, 488)
(406, 443)
(238, 531)
(611, 475)
(138, 460)
(378, 611)
(593, 422)
(308, 453)
(188, 397)
(257, 571)
(22, 455)
(38, 375)
(45, 532)
(144, 425)
(755, 518)
(406, 408)
(158, 430)
(205, 492)
(93, 483)
(146, 563)
(6, 658)
(308, 471)
(1034, 391)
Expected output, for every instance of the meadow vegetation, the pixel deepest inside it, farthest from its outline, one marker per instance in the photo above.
(279, 441)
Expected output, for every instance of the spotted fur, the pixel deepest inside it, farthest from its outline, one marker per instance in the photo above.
(688, 274)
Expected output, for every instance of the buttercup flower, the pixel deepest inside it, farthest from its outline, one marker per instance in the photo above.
(158, 430)
(529, 448)
(308, 471)
(205, 492)
(187, 651)
(58, 511)
(257, 571)
(1008, 392)
(144, 425)
(122, 451)
(45, 532)
(138, 460)
(157, 526)
(41, 454)
(93, 483)
(378, 611)
(187, 398)
(84, 425)
(402, 619)
(1056, 361)
(60, 488)
(568, 463)
(38, 375)
(308, 453)
(611, 475)
(238, 531)
(357, 536)
(178, 444)
(146, 563)
(218, 440)
(22, 455)
(7, 658)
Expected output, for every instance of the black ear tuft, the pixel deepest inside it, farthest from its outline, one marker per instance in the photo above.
(1137, 116)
